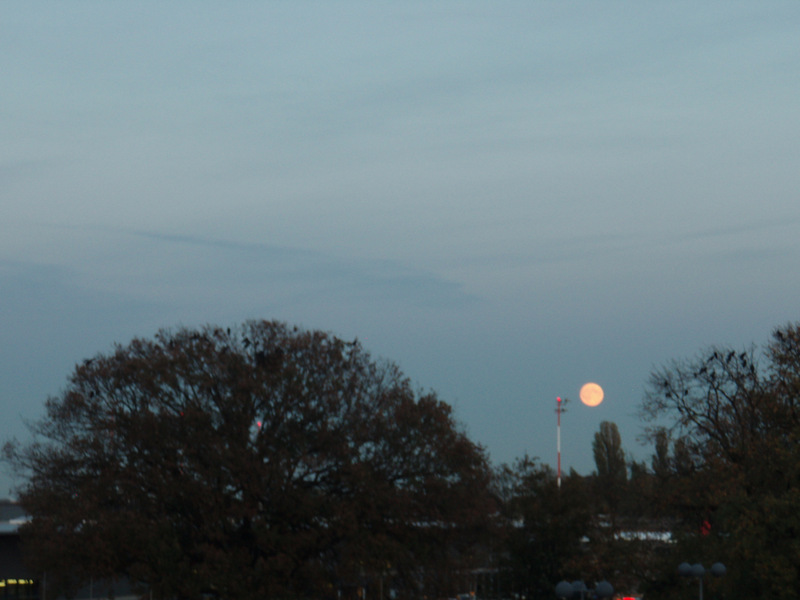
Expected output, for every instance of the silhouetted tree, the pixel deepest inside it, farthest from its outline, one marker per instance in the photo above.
(734, 474)
(546, 527)
(261, 462)
(612, 470)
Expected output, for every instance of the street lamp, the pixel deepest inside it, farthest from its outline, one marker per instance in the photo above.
(577, 590)
(697, 570)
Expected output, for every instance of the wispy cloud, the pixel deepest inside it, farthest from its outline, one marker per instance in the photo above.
(257, 268)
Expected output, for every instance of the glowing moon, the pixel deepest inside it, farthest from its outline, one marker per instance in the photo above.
(591, 394)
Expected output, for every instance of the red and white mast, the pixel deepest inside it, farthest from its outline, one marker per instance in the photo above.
(559, 408)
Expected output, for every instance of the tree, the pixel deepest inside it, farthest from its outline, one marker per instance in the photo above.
(609, 457)
(260, 462)
(734, 476)
(612, 470)
(546, 526)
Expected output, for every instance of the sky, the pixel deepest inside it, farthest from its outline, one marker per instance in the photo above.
(507, 199)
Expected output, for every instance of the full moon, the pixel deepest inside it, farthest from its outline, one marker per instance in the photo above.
(591, 394)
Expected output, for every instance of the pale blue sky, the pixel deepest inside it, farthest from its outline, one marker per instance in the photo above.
(508, 199)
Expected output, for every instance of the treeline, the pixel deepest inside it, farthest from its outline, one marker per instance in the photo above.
(622, 523)
(269, 461)
(722, 486)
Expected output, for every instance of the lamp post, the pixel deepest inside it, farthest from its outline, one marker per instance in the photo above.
(577, 590)
(697, 570)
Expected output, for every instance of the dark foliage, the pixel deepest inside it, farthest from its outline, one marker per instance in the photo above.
(545, 526)
(264, 461)
(732, 481)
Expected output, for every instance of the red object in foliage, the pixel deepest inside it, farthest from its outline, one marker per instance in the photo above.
(705, 528)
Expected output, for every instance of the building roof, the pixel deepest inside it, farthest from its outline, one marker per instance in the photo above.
(12, 516)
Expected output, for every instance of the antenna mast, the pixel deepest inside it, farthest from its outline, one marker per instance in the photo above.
(559, 409)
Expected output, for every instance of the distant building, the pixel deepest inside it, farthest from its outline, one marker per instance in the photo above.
(16, 582)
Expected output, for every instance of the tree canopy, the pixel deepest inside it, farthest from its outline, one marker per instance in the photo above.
(733, 477)
(256, 462)
(545, 527)
(612, 469)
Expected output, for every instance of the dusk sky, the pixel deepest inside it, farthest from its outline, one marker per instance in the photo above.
(507, 199)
